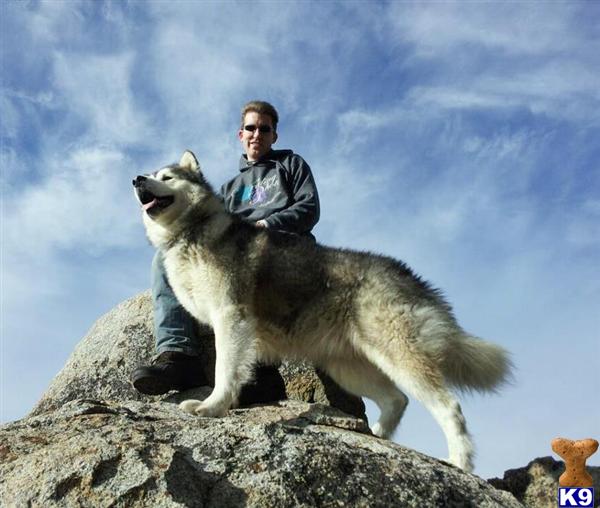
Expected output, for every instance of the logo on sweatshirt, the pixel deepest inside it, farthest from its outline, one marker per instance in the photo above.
(257, 194)
(252, 195)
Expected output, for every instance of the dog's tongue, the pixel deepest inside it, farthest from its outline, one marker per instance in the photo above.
(150, 204)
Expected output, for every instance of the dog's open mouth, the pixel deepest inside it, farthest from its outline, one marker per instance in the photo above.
(153, 203)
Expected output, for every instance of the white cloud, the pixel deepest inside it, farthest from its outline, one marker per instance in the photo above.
(550, 90)
(525, 29)
(52, 21)
(498, 56)
(96, 90)
(84, 203)
(457, 98)
(10, 118)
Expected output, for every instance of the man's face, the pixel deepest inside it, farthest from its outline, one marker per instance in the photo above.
(254, 136)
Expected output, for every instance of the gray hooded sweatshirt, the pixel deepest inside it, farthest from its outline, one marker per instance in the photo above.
(279, 188)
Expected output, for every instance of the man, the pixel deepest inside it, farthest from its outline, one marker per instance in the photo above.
(274, 189)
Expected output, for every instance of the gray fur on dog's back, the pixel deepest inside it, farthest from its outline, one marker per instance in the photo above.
(299, 280)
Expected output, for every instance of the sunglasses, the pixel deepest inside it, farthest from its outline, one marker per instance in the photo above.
(263, 129)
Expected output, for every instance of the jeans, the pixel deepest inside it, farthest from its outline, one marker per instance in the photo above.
(175, 329)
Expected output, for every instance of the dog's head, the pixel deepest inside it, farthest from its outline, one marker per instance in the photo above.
(168, 193)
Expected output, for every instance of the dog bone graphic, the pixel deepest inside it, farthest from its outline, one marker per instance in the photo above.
(575, 453)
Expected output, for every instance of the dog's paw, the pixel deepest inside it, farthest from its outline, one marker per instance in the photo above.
(200, 408)
(463, 462)
(190, 406)
(210, 411)
(377, 430)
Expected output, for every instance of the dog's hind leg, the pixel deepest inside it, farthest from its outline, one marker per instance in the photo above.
(235, 357)
(447, 412)
(362, 378)
(415, 373)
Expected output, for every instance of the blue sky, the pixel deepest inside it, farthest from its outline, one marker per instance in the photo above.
(460, 137)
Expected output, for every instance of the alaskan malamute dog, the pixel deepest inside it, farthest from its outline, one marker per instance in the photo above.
(367, 320)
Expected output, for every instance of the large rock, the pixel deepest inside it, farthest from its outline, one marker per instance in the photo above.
(536, 485)
(140, 454)
(123, 339)
(92, 440)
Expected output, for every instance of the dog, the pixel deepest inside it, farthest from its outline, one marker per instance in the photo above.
(367, 320)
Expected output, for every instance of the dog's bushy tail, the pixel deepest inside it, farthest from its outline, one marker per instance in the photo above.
(473, 364)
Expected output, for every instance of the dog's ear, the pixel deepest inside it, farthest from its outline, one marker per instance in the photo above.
(189, 161)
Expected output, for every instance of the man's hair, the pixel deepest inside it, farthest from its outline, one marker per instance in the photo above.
(262, 108)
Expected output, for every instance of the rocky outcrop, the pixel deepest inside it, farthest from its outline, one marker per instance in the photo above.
(123, 339)
(92, 440)
(536, 485)
(140, 454)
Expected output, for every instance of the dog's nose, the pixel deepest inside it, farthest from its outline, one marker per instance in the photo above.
(138, 181)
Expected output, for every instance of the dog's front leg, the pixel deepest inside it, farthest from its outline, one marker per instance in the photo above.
(235, 358)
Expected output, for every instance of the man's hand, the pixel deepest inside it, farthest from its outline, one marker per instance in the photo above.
(261, 224)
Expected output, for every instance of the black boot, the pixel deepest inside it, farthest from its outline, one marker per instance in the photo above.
(169, 371)
(267, 386)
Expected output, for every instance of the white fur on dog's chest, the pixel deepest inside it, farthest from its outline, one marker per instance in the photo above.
(196, 284)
